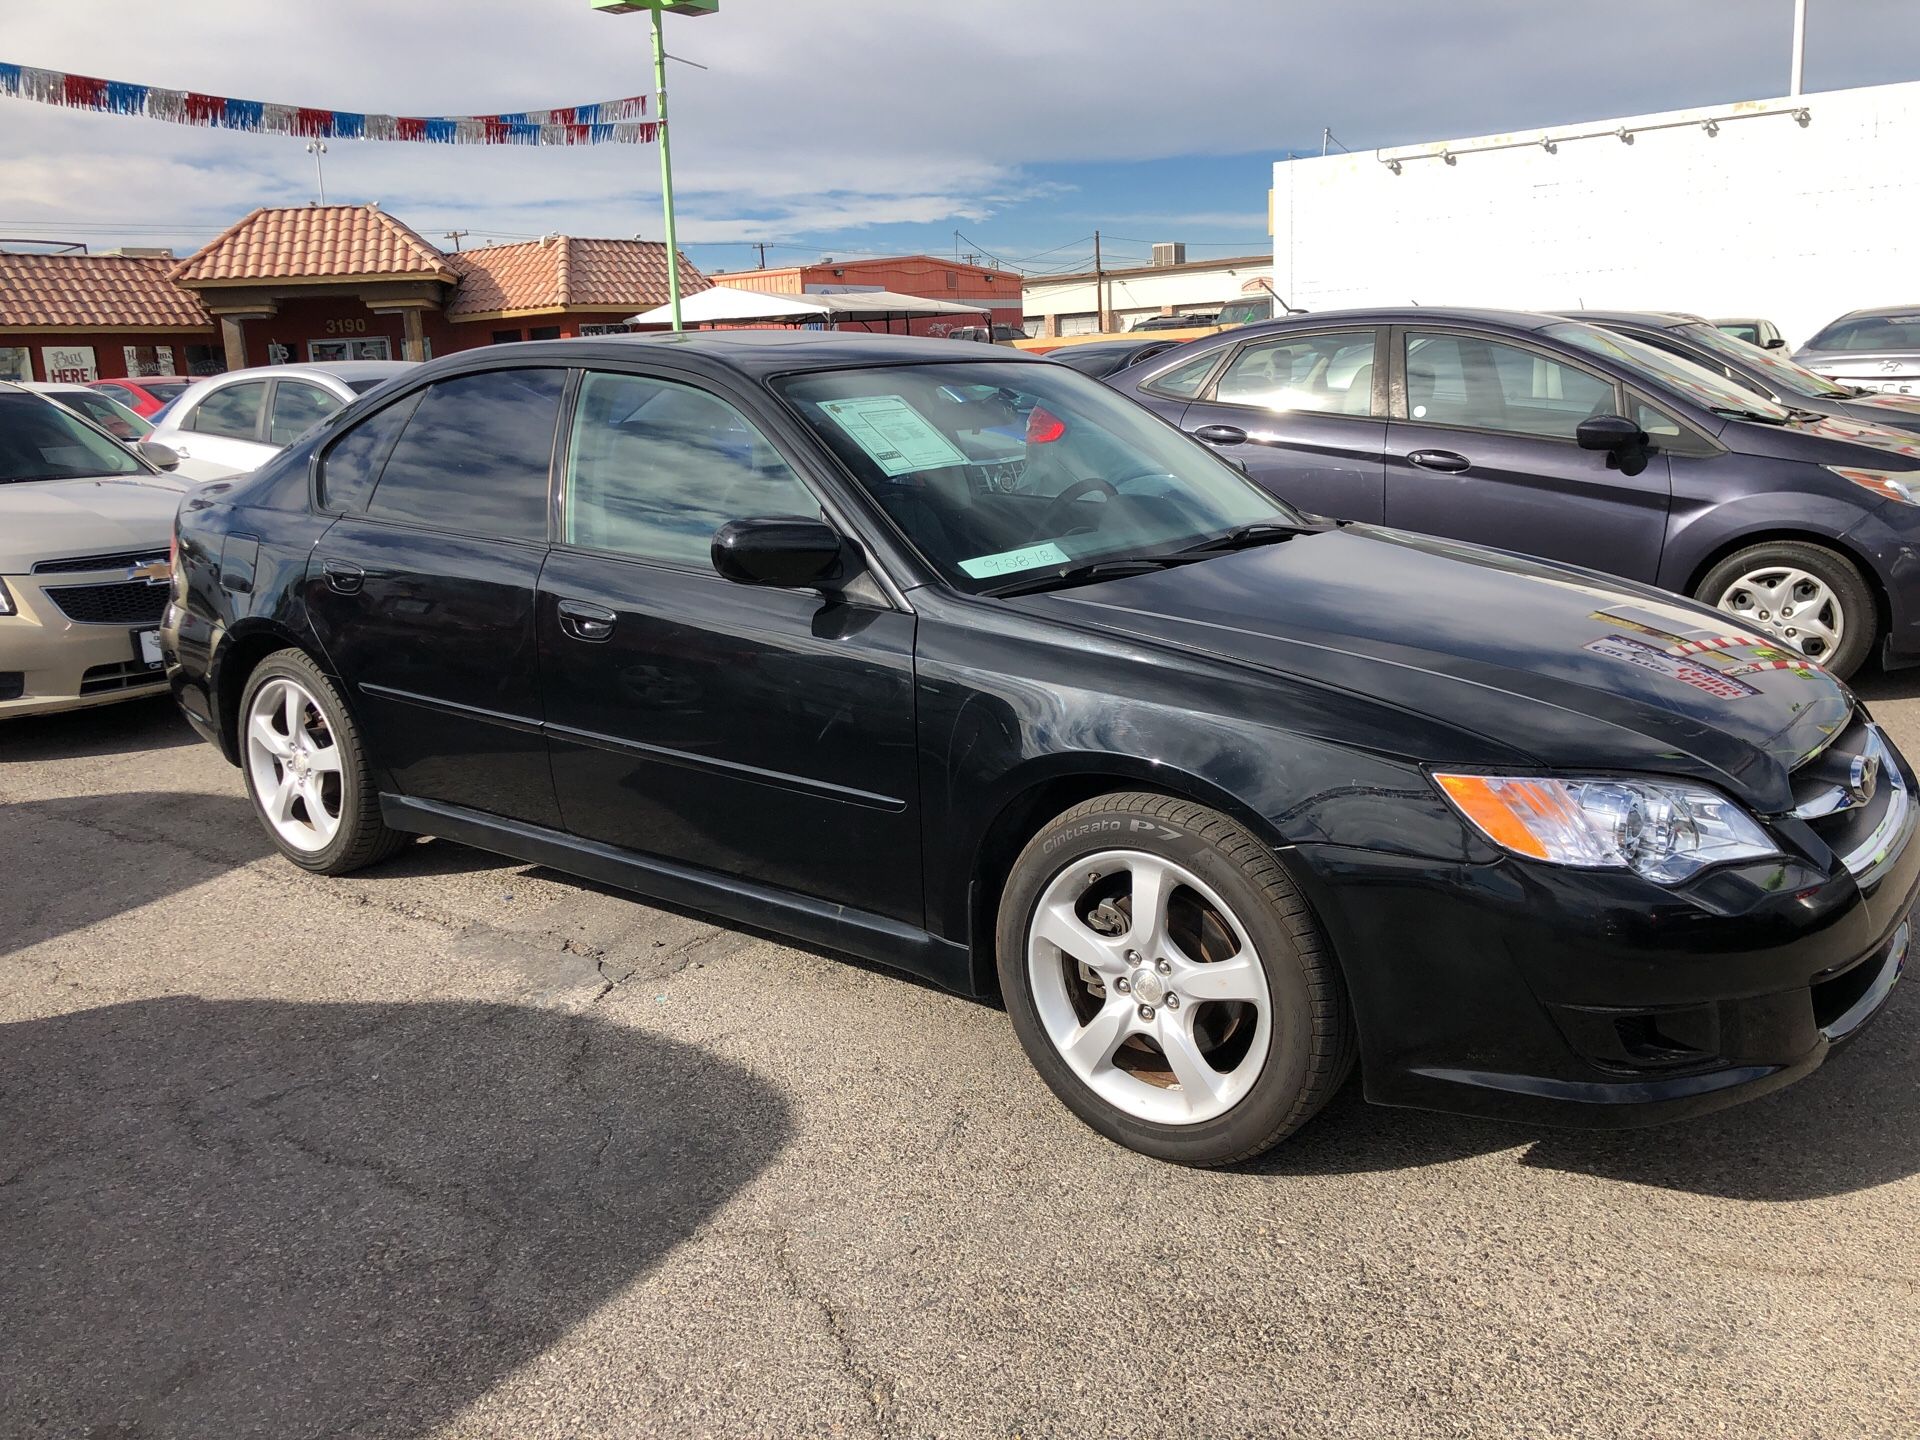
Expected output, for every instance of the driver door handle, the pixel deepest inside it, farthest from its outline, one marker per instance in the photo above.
(1221, 434)
(1444, 460)
(592, 623)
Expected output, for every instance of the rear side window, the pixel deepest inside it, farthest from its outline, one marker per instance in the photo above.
(475, 455)
(1330, 373)
(352, 466)
(232, 410)
(297, 408)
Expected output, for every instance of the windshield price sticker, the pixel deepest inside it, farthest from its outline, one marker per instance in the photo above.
(1007, 562)
(896, 437)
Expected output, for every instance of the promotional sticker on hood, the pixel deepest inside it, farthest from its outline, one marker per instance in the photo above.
(1647, 657)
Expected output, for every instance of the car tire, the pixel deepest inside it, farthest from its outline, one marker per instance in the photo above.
(1252, 980)
(1830, 580)
(305, 769)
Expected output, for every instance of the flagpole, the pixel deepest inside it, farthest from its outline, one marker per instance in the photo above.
(666, 163)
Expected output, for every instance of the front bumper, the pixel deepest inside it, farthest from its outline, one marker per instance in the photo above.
(1531, 992)
(50, 663)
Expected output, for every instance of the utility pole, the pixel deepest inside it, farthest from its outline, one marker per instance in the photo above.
(456, 236)
(1799, 45)
(760, 245)
(1099, 284)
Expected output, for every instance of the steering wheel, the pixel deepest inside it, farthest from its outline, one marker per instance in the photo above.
(1051, 519)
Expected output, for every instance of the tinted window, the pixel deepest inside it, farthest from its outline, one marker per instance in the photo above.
(297, 408)
(475, 455)
(1661, 428)
(1183, 382)
(40, 441)
(120, 393)
(351, 467)
(1742, 331)
(164, 393)
(232, 410)
(116, 420)
(654, 469)
(1870, 332)
(1706, 388)
(1488, 385)
(1303, 372)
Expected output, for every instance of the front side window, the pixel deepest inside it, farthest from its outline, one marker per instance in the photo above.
(1329, 373)
(1689, 381)
(655, 468)
(1000, 470)
(232, 410)
(1470, 380)
(297, 408)
(40, 441)
(475, 456)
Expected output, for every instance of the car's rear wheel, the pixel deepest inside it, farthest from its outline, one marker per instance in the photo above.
(307, 771)
(1803, 595)
(1167, 981)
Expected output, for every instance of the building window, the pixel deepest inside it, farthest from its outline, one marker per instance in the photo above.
(544, 332)
(618, 329)
(506, 337)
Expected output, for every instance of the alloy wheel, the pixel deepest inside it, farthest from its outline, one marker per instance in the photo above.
(1149, 987)
(1790, 604)
(293, 764)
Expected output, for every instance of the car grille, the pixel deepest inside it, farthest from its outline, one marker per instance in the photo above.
(125, 675)
(129, 602)
(82, 563)
(1862, 832)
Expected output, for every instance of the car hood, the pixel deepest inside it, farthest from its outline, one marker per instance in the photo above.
(1832, 439)
(1900, 412)
(1561, 668)
(55, 519)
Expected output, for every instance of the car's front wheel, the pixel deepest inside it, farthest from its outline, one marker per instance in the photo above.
(1167, 981)
(1803, 595)
(307, 770)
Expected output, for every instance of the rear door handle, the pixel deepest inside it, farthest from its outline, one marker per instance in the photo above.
(342, 578)
(1445, 460)
(1221, 434)
(592, 623)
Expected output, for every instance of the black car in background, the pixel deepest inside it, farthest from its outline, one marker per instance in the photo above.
(1765, 372)
(1548, 437)
(1100, 358)
(1217, 798)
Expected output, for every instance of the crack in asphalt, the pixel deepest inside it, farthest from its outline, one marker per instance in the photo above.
(878, 1392)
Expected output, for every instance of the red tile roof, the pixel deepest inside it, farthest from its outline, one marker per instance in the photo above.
(564, 273)
(89, 292)
(312, 242)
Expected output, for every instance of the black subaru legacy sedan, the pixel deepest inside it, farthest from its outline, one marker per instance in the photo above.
(962, 662)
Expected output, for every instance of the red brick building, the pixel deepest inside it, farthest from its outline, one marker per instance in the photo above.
(927, 276)
(314, 282)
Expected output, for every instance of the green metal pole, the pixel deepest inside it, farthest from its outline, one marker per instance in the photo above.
(666, 166)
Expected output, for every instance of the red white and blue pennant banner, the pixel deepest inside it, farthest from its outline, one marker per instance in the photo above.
(607, 122)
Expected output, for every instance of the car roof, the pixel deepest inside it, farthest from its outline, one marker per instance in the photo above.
(1406, 315)
(753, 353)
(146, 380)
(1659, 319)
(51, 386)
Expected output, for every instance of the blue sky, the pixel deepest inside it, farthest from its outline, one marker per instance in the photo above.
(870, 126)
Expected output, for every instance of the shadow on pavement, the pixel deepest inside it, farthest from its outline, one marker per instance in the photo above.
(154, 723)
(261, 1218)
(1879, 685)
(1851, 1125)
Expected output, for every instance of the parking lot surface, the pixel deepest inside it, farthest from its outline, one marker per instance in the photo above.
(460, 1147)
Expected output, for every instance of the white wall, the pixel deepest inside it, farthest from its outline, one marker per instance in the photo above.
(1796, 223)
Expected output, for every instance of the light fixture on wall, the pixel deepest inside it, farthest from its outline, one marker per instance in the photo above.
(1712, 127)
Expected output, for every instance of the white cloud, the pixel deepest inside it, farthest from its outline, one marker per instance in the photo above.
(816, 120)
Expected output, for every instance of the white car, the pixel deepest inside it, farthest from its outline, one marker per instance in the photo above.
(230, 424)
(89, 404)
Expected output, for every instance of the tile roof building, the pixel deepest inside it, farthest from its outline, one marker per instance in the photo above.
(314, 282)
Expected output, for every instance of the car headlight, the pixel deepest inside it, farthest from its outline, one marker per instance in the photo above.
(1901, 485)
(6, 600)
(1666, 830)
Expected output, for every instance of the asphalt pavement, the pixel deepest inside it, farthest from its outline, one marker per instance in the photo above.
(460, 1147)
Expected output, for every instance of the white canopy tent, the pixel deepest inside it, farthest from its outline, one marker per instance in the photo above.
(724, 305)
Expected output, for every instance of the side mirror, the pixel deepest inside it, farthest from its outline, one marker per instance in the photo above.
(157, 454)
(1612, 433)
(1626, 444)
(787, 552)
(1776, 343)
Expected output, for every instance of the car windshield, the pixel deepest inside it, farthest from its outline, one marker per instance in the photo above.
(1793, 378)
(1680, 377)
(162, 390)
(109, 414)
(1001, 471)
(40, 441)
(1870, 332)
